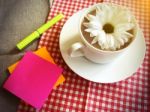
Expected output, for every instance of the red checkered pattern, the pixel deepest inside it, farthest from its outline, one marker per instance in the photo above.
(79, 95)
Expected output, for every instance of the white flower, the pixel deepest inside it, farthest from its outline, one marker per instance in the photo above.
(110, 26)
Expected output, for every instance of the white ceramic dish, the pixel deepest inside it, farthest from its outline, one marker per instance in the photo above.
(121, 68)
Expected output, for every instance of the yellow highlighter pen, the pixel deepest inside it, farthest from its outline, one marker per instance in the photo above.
(36, 34)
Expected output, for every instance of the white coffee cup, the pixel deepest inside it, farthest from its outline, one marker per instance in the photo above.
(84, 48)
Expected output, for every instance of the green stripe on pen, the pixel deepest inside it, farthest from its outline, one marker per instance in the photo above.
(36, 34)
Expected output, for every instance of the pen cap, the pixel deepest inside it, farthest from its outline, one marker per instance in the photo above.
(50, 23)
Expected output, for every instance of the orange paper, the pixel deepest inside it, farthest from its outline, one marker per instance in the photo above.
(43, 53)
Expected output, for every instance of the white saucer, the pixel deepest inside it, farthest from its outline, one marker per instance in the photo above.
(123, 67)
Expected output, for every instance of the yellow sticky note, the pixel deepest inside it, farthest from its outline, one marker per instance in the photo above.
(43, 53)
(12, 67)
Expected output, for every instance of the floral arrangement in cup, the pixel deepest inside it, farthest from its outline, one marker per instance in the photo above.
(110, 27)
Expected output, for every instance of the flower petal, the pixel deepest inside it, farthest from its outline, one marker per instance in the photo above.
(102, 40)
(98, 10)
(104, 46)
(110, 40)
(125, 26)
(117, 44)
(100, 15)
(94, 40)
(128, 34)
(125, 38)
(94, 33)
(93, 24)
(89, 30)
(102, 36)
(91, 17)
(121, 41)
(124, 16)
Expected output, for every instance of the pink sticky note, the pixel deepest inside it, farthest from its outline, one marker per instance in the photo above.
(33, 79)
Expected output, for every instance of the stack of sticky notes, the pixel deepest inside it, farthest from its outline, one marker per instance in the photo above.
(33, 78)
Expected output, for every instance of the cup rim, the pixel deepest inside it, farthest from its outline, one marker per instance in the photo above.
(91, 8)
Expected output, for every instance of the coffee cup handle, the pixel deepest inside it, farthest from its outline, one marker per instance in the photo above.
(76, 50)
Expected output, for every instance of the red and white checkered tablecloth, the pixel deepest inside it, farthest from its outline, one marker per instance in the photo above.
(79, 95)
